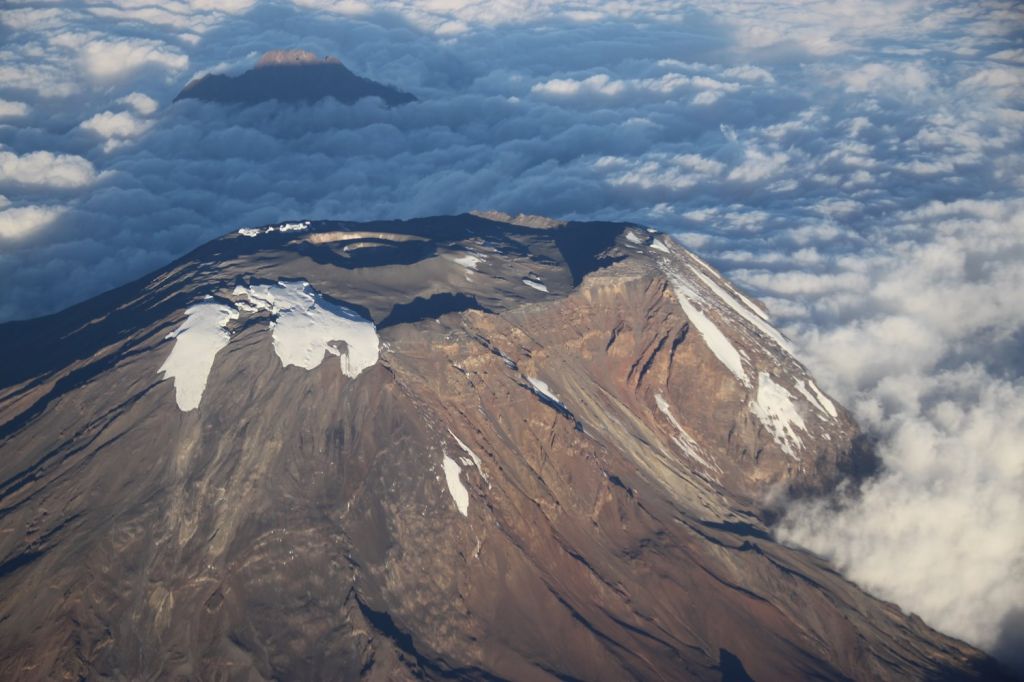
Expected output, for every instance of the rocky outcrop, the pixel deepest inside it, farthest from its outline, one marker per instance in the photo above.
(451, 447)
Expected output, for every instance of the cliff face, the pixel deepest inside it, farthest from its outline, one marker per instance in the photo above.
(450, 447)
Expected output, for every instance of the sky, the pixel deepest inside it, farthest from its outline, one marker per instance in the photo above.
(858, 165)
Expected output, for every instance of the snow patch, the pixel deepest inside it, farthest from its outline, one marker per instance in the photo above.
(196, 343)
(468, 261)
(361, 237)
(542, 388)
(539, 286)
(817, 398)
(282, 227)
(750, 314)
(736, 292)
(509, 362)
(683, 440)
(306, 327)
(777, 410)
(659, 245)
(472, 455)
(455, 487)
(291, 227)
(633, 238)
(713, 336)
(823, 399)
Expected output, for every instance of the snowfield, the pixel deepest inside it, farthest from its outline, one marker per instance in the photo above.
(778, 412)
(713, 336)
(196, 343)
(305, 327)
(545, 390)
(455, 487)
(283, 227)
(534, 284)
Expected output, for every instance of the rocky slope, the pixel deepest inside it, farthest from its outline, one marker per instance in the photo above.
(472, 447)
(294, 76)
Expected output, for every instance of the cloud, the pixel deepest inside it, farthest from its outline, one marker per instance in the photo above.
(46, 79)
(602, 84)
(116, 128)
(1013, 55)
(707, 97)
(122, 124)
(19, 222)
(47, 169)
(33, 18)
(459, 17)
(748, 72)
(194, 15)
(599, 83)
(708, 89)
(1006, 82)
(108, 59)
(941, 528)
(143, 104)
(758, 165)
(924, 346)
(894, 79)
(678, 171)
(9, 109)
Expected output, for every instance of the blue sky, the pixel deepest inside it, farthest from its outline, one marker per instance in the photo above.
(857, 165)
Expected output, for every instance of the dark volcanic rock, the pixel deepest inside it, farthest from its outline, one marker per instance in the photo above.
(548, 461)
(291, 76)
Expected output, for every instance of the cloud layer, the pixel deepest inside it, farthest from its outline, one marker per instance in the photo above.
(856, 164)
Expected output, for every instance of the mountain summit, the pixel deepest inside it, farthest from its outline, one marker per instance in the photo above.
(296, 76)
(293, 58)
(472, 447)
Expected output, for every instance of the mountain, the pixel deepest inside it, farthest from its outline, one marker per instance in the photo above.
(473, 447)
(291, 76)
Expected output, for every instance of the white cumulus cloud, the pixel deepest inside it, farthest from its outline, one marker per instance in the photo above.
(12, 109)
(22, 221)
(144, 104)
(47, 169)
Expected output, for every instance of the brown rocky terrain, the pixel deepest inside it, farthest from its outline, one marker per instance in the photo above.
(469, 447)
(293, 57)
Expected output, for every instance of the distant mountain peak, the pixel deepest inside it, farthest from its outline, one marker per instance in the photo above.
(521, 219)
(292, 76)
